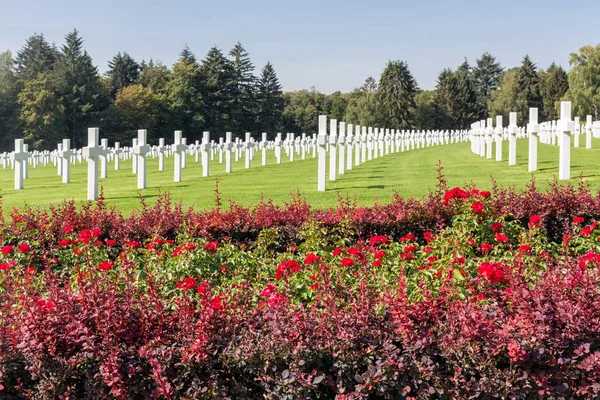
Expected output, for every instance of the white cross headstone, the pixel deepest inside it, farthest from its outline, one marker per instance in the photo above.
(91, 153)
(205, 148)
(247, 150)
(363, 143)
(357, 145)
(565, 128)
(19, 159)
(184, 152)
(228, 147)
(533, 128)
(332, 149)
(498, 135)
(134, 160)
(117, 154)
(342, 148)
(65, 159)
(322, 143)
(161, 154)
(512, 139)
(104, 159)
(349, 144)
(140, 151)
(489, 132)
(576, 131)
(178, 149)
(263, 145)
(58, 163)
(278, 148)
(588, 132)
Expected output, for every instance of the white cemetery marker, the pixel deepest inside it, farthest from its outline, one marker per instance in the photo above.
(488, 138)
(264, 148)
(205, 147)
(278, 148)
(342, 145)
(221, 142)
(363, 145)
(134, 160)
(184, 149)
(161, 154)
(228, 147)
(498, 135)
(370, 144)
(26, 162)
(512, 139)
(140, 152)
(322, 142)
(104, 159)
(178, 148)
(197, 150)
(349, 144)
(91, 154)
(565, 128)
(19, 159)
(59, 163)
(533, 128)
(65, 159)
(117, 152)
(303, 146)
(357, 145)
(332, 149)
(291, 146)
(576, 131)
(588, 132)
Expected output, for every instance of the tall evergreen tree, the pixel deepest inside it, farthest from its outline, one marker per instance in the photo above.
(487, 75)
(187, 56)
(397, 91)
(455, 99)
(364, 106)
(122, 71)
(79, 89)
(554, 83)
(244, 107)
(185, 96)
(41, 113)
(504, 99)
(270, 101)
(36, 57)
(527, 90)
(218, 82)
(9, 108)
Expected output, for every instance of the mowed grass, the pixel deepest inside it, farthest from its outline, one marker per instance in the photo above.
(411, 173)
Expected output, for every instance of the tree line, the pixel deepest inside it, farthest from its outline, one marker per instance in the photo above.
(48, 93)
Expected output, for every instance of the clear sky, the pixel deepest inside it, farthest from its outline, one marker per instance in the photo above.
(329, 44)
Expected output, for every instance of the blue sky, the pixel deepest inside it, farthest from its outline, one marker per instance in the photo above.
(330, 44)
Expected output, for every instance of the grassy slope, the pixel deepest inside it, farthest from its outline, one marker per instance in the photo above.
(410, 174)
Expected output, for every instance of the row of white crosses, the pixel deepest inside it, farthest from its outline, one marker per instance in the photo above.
(371, 143)
(550, 132)
(352, 145)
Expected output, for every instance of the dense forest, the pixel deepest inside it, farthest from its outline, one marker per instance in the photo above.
(48, 93)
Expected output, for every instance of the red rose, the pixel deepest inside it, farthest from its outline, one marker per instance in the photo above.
(578, 220)
(347, 262)
(477, 207)
(501, 237)
(535, 221)
(496, 226)
(24, 248)
(106, 265)
(6, 250)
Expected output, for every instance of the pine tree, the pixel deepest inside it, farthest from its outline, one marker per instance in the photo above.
(527, 90)
(244, 107)
(123, 71)
(455, 98)
(154, 76)
(9, 108)
(218, 84)
(186, 55)
(397, 91)
(78, 86)
(554, 83)
(270, 101)
(36, 57)
(487, 75)
(185, 97)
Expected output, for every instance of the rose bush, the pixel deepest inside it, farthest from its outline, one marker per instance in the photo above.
(463, 294)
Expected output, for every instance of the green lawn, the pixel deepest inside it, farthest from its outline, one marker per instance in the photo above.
(410, 173)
